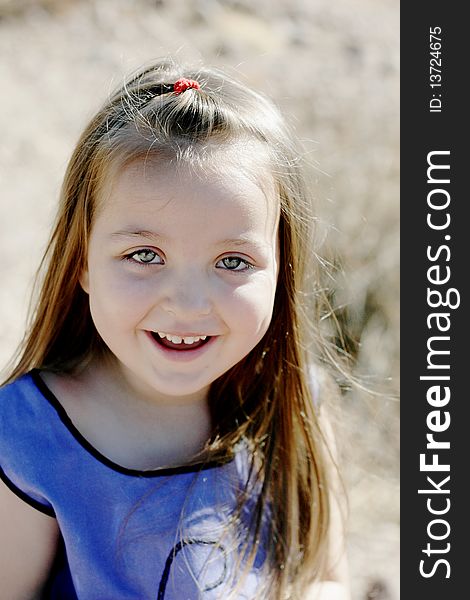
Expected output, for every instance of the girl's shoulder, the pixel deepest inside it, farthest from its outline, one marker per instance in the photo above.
(14, 386)
(26, 404)
(20, 402)
(26, 421)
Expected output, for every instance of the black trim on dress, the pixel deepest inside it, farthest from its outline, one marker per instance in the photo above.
(162, 472)
(47, 510)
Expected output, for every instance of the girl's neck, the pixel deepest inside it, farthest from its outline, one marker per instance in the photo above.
(125, 425)
(106, 371)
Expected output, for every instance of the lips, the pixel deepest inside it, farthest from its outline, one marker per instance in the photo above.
(182, 346)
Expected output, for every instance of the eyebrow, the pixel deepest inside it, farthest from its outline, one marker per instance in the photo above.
(239, 242)
(151, 235)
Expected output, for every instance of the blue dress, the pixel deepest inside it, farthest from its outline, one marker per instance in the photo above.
(126, 534)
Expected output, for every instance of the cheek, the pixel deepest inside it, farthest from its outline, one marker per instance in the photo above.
(115, 296)
(253, 305)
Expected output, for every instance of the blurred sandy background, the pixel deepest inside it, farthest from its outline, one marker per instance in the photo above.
(333, 69)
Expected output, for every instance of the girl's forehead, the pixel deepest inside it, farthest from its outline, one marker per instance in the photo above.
(234, 177)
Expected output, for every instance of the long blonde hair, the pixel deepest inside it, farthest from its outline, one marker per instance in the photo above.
(267, 398)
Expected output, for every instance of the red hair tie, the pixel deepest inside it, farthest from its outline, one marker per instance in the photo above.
(183, 84)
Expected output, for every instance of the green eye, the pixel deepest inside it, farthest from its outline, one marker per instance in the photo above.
(145, 256)
(232, 263)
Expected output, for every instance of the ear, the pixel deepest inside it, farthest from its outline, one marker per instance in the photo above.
(84, 280)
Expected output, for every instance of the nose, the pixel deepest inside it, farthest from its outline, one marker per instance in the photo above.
(187, 294)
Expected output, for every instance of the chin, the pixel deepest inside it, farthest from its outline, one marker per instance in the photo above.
(178, 386)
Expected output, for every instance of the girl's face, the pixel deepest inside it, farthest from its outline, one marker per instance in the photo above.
(186, 254)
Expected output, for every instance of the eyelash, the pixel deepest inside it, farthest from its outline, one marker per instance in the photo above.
(130, 258)
(248, 265)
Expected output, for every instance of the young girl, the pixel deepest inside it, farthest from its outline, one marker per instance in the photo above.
(162, 433)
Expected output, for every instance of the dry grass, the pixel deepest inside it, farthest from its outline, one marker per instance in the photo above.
(333, 68)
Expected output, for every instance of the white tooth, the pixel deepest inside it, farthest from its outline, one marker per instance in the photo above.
(162, 335)
(203, 337)
(176, 339)
(196, 339)
(189, 340)
(168, 336)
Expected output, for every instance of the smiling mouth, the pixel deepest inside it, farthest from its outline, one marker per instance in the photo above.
(182, 346)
